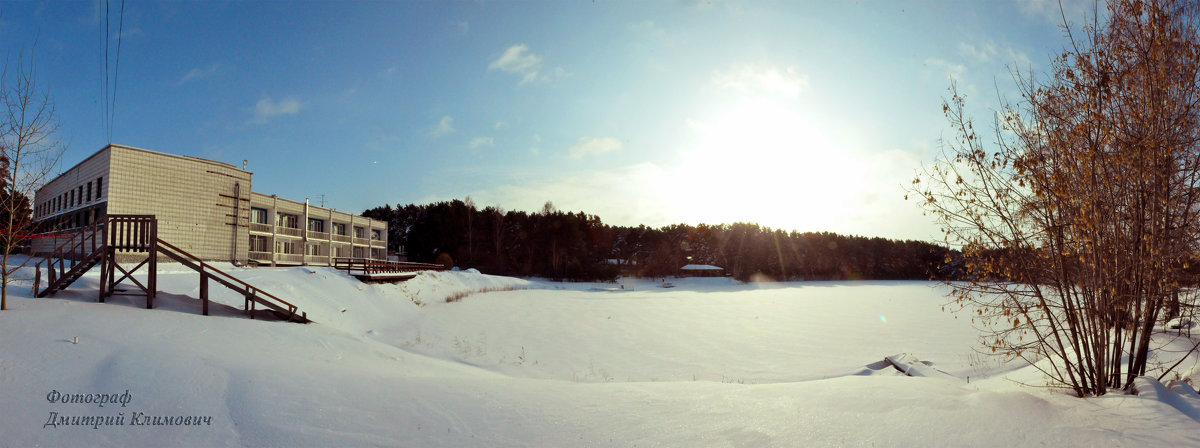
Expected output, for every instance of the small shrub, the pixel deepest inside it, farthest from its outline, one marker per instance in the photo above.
(458, 296)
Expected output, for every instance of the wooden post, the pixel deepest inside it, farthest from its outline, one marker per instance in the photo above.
(37, 279)
(105, 269)
(152, 274)
(104, 257)
(204, 291)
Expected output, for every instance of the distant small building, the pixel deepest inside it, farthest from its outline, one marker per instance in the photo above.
(701, 270)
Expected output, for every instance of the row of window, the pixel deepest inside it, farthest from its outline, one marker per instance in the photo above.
(260, 243)
(71, 220)
(72, 198)
(288, 220)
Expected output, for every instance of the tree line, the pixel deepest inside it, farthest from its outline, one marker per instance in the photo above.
(577, 246)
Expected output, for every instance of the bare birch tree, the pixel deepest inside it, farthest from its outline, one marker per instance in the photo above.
(1078, 220)
(30, 149)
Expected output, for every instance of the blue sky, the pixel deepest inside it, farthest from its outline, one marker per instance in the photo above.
(797, 115)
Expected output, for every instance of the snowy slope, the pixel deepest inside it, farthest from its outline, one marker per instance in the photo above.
(707, 363)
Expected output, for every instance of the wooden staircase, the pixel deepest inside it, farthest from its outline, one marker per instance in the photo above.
(71, 259)
(138, 234)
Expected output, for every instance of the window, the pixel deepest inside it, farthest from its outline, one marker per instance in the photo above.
(89, 191)
(258, 215)
(314, 249)
(79, 197)
(286, 220)
(316, 225)
(258, 243)
(99, 190)
(375, 235)
(71, 199)
(359, 232)
(285, 247)
(339, 228)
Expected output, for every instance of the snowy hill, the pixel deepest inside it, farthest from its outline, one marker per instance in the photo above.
(709, 362)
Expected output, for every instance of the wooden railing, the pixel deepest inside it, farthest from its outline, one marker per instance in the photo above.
(367, 266)
(251, 293)
(132, 233)
(75, 246)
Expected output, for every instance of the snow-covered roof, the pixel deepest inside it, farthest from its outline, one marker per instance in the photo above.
(701, 267)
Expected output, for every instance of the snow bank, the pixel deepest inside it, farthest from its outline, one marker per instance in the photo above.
(433, 286)
(702, 364)
(911, 366)
(1180, 395)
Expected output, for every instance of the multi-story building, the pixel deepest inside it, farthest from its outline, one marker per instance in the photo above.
(204, 207)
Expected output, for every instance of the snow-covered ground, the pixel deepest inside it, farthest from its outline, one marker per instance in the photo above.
(436, 362)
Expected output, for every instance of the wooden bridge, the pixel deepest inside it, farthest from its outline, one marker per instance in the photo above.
(138, 234)
(367, 269)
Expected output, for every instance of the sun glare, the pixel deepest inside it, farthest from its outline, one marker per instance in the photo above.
(765, 162)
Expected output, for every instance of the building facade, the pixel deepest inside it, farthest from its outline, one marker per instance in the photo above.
(204, 207)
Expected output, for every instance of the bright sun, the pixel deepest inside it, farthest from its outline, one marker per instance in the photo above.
(762, 161)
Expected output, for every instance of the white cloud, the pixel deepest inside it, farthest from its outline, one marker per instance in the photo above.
(200, 73)
(647, 30)
(951, 70)
(762, 79)
(267, 108)
(518, 60)
(444, 126)
(1077, 11)
(499, 125)
(481, 141)
(590, 145)
(645, 25)
(983, 51)
(988, 52)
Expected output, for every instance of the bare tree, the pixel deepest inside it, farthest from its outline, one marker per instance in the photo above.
(1078, 222)
(29, 149)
